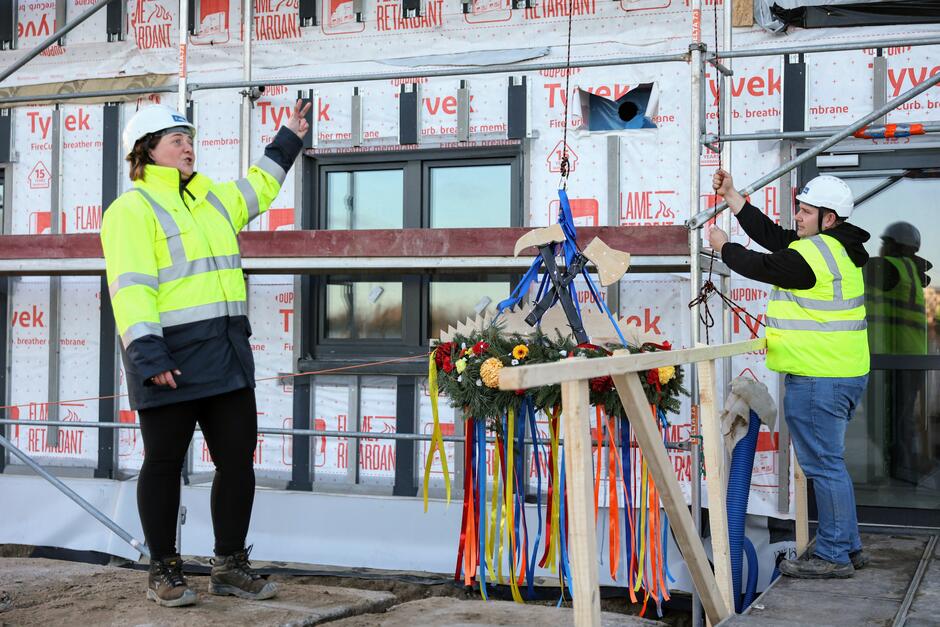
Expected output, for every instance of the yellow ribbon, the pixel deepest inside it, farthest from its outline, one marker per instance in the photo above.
(556, 495)
(437, 437)
(491, 538)
(640, 568)
(510, 518)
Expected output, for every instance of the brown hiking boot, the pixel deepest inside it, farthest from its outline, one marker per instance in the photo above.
(166, 584)
(231, 574)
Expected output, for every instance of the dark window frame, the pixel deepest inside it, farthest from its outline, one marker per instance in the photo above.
(908, 158)
(416, 166)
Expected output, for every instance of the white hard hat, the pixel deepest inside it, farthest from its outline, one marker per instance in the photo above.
(828, 192)
(903, 233)
(153, 119)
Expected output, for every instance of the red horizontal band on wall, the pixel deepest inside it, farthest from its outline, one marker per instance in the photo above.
(497, 242)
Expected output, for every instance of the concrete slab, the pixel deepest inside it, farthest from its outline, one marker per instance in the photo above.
(927, 600)
(894, 559)
(446, 612)
(51, 592)
(872, 597)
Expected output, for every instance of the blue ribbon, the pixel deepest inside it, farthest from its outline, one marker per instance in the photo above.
(528, 407)
(481, 482)
(522, 288)
(562, 533)
(518, 442)
(627, 485)
(566, 220)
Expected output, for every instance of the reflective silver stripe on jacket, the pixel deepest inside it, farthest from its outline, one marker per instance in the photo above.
(895, 303)
(920, 325)
(129, 279)
(272, 168)
(173, 240)
(199, 266)
(912, 278)
(251, 198)
(139, 330)
(817, 303)
(215, 202)
(831, 264)
(199, 313)
(813, 325)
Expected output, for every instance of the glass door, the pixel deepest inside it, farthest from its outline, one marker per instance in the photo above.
(893, 441)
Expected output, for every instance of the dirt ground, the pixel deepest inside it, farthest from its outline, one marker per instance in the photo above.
(39, 591)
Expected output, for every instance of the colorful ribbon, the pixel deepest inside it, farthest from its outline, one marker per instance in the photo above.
(437, 436)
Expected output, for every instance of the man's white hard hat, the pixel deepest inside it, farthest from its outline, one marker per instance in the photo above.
(153, 119)
(828, 192)
(903, 233)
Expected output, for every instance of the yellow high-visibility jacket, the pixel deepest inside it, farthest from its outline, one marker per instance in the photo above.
(175, 278)
(820, 332)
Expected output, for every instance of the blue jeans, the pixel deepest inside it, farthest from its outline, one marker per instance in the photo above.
(818, 410)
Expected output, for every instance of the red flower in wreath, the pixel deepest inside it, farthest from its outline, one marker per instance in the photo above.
(602, 385)
(652, 377)
(480, 347)
(444, 349)
(447, 364)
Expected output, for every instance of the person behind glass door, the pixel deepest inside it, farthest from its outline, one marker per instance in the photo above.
(897, 325)
(179, 300)
(816, 337)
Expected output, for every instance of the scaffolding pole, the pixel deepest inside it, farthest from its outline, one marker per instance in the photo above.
(928, 127)
(51, 39)
(697, 86)
(469, 71)
(182, 98)
(244, 143)
(72, 494)
(700, 219)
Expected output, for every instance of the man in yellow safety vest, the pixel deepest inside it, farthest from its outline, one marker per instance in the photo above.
(816, 336)
(897, 325)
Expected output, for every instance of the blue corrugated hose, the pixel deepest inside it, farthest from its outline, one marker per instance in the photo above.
(739, 486)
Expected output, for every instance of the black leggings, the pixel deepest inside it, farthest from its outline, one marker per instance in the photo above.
(229, 424)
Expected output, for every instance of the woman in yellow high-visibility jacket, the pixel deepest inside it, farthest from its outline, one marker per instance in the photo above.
(178, 294)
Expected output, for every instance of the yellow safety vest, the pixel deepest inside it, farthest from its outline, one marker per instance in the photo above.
(897, 318)
(820, 331)
(172, 259)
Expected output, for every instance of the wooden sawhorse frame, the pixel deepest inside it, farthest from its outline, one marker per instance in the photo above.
(573, 374)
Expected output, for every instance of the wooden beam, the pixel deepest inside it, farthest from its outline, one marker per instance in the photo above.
(523, 377)
(495, 242)
(714, 449)
(802, 508)
(654, 452)
(582, 528)
(742, 13)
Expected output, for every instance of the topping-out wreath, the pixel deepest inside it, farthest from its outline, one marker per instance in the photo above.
(468, 373)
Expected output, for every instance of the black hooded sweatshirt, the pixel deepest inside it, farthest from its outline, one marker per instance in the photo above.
(784, 267)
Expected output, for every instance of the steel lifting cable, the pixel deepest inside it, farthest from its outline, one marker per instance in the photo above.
(708, 287)
(564, 165)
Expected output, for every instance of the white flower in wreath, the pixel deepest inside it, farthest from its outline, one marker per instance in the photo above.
(479, 383)
(515, 362)
(563, 353)
(460, 379)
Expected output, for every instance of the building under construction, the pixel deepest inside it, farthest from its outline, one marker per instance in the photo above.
(440, 133)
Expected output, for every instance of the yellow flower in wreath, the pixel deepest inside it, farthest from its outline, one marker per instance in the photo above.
(461, 365)
(666, 374)
(520, 351)
(489, 372)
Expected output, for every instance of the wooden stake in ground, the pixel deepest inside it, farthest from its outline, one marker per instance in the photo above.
(802, 508)
(637, 408)
(713, 447)
(582, 529)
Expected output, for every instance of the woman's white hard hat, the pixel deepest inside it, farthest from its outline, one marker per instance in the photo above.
(153, 119)
(828, 192)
